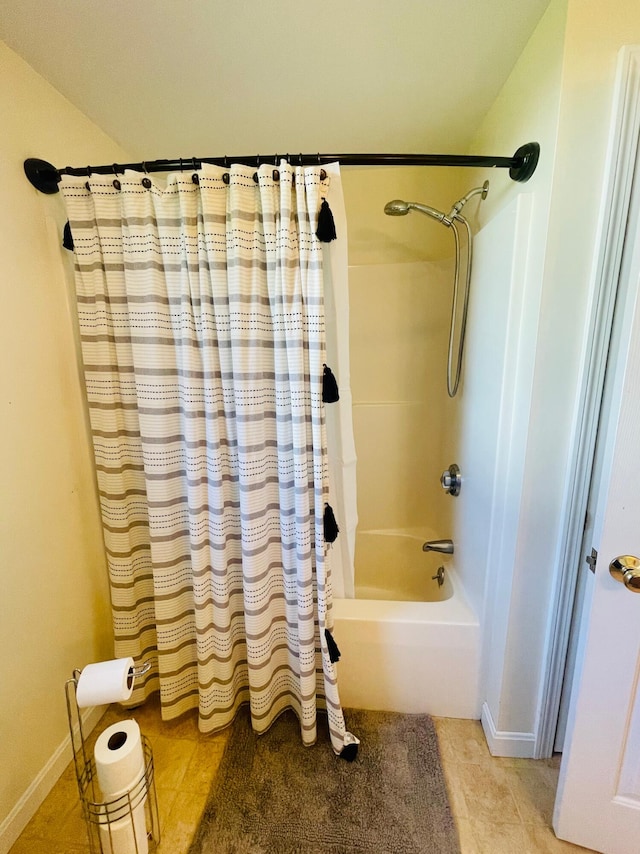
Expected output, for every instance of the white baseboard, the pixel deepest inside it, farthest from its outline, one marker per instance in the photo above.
(514, 744)
(22, 813)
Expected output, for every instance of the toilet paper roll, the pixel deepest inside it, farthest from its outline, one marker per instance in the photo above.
(122, 836)
(105, 682)
(119, 758)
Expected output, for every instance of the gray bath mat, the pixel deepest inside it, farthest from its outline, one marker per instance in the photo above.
(273, 796)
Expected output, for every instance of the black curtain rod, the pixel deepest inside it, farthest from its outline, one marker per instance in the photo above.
(45, 177)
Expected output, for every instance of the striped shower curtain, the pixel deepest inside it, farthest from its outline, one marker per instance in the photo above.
(201, 316)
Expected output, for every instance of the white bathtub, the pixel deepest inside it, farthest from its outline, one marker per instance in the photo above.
(399, 654)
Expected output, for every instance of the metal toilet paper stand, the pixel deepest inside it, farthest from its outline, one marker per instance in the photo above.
(105, 818)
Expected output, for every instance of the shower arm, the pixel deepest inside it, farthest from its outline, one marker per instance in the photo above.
(457, 207)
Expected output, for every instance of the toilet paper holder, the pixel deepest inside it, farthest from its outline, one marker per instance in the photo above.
(137, 672)
(106, 819)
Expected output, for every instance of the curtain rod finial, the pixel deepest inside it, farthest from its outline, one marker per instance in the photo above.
(43, 175)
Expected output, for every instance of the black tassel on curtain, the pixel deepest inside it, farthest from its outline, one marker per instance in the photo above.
(331, 529)
(330, 392)
(326, 231)
(67, 238)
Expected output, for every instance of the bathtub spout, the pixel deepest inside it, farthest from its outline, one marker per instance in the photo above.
(442, 546)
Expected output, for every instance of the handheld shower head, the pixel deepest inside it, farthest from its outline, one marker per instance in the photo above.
(397, 208)
(432, 212)
(400, 208)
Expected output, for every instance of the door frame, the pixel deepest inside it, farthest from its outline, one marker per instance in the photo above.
(620, 163)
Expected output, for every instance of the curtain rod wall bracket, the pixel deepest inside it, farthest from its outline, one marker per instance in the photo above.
(45, 177)
(529, 154)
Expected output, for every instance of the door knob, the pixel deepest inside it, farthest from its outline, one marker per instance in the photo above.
(626, 570)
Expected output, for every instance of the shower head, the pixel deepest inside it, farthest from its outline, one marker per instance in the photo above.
(399, 208)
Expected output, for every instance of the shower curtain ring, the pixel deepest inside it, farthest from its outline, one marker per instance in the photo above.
(226, 162)
(181, 167)
(146, 182)
(193, 163)
(300, 159)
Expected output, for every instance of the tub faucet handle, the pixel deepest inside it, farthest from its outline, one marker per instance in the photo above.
(442, 546)
(451, 480)
(439, 576)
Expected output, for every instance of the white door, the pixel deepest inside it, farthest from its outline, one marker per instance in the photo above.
(598, 801)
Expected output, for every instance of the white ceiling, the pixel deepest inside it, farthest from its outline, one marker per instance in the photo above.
(171, 78)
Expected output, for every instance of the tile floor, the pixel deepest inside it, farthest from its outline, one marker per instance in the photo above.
(501, 806)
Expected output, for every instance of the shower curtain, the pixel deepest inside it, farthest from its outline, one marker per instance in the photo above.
(203, 338)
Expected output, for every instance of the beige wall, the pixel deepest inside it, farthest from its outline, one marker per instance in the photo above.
(399, 302)
(54, 612)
